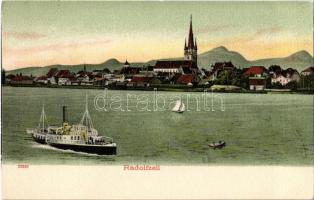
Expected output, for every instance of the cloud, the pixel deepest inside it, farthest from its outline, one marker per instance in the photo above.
(211, 29)
(268, 31)
(24, 35)
(262, 33)
(55, 47)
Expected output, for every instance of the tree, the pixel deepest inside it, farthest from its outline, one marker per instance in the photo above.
(3, 76)
(276, 85)
(268, 82)
(229, 77)
(293, 85)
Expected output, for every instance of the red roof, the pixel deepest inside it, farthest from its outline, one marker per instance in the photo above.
(44, 77)
(52, 72)
(173, 64)
(63, 74)
(21, 78)
(10, 76)
(254, 70)
(221, 66)
(309, 69)
(185, 79)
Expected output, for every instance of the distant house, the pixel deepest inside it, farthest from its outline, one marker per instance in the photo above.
(292, 74)
(280, 78)
(257, 83)
(21, 80)
(72, 81)
(52, 72)
(174, 66)
(42, 79)
(99, 80)
(173, 79)
(52, 76)
(218, 67)
(140, 81)
(129, 71)
(63, 76)
(118, 78)
(8, 78)
(285, 76)
(86, 78)
(186, 79)
(308, 71)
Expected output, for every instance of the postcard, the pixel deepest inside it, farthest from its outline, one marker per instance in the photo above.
(157, 100)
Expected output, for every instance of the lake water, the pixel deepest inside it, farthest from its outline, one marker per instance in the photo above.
(259, 129)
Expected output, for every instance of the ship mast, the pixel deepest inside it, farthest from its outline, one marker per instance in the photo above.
(42, 119)
(86, 119)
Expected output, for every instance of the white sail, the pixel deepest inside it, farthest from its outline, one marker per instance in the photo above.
(182, 107)
(179, 107)
(176, 108)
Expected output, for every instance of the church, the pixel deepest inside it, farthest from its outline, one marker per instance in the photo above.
(190, 58)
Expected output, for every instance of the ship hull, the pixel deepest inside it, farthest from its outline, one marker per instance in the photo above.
(40, 140)
(93, 149)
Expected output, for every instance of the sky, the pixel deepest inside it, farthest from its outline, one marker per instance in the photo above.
(55, 32)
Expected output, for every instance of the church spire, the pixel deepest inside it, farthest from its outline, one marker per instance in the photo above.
(191, 39)
(190, 46)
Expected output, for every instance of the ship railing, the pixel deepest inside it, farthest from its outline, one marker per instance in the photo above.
(100, 140)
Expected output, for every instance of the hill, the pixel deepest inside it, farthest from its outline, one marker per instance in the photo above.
(299, 60)
(221, 54)
(111, 64)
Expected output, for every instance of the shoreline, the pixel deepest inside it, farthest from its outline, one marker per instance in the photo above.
(170, 89)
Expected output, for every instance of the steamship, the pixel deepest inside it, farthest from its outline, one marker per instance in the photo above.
(81, 137)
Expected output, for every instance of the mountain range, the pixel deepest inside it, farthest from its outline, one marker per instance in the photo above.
(299, 60)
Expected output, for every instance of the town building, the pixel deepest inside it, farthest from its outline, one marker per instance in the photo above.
(308, 71)
(257, 83)
(63, 76)
(52, 76)
(190, 58)
(41, 79)
(172, 66)
(20, 79)
(218, 67)
(257, 77)
(9, 78)
(285, 76)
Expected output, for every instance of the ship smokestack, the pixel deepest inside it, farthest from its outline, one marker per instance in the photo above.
(64, 108)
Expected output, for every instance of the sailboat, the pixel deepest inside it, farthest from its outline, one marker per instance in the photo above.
(39, 133)
(179, 107)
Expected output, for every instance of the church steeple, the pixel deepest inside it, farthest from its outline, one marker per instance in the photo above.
(191, 39)
(190, 49)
